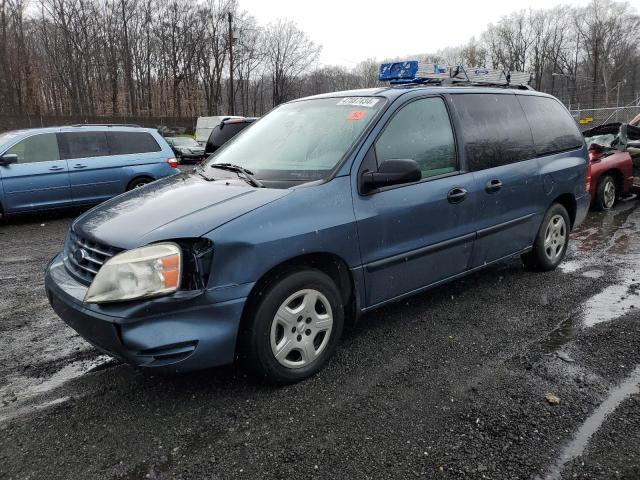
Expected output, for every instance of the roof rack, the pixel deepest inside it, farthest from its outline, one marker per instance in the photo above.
(413, 72)
(132, 125)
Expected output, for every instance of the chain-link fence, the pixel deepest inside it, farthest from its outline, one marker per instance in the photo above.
(592, 117)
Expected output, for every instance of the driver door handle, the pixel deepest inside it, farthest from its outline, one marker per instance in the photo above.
(493, 186)
(79, 165)
(457, 195)
(56, 169)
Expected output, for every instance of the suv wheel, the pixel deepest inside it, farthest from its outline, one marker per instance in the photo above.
(606, 193)
(295, 327)
(551, 242)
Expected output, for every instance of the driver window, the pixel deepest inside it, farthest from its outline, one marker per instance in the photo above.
(39, 148)
(420, 131)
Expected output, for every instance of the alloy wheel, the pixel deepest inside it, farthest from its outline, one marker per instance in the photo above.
(609, 194)
(555, 237)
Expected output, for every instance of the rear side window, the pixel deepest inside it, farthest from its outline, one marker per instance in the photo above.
(420, 131)
(495, 130)
(38, 148)
(123, 143)
(554, 130)
(85, 144)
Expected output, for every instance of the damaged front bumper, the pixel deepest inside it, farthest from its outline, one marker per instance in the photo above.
(186, 331)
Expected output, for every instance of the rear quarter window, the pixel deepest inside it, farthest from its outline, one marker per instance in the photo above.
(553, 128)
(125, 143)
(220, 136)
(494, 129)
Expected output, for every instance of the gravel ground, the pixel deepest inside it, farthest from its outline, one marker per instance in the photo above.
(449, 384)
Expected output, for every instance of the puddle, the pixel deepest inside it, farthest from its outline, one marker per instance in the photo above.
(560, 335)
(613, 302)
(593, 274)
(571, 266)
(606, 245)
(591, 425)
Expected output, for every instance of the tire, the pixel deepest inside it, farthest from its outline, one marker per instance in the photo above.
(287, 339)
(606, 193)
(552, 239)
(138, 182)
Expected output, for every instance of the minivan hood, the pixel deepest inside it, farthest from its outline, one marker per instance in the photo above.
(181, 206)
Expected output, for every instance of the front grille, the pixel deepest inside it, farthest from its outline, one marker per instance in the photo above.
(83, 258)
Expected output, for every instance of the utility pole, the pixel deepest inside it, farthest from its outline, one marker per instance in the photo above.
(618, 102)
(232, 103)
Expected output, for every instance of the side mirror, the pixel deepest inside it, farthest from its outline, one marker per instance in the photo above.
(392, 172)
(8, 159)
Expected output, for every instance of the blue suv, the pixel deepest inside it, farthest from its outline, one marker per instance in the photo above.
(326, 208)
(77, 166)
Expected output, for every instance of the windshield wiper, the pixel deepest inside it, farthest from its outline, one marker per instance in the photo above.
(202, 174)
(248, 174)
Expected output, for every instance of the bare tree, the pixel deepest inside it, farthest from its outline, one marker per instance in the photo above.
(289, 52)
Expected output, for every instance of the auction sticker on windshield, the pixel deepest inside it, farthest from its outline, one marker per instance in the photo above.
(367, 102)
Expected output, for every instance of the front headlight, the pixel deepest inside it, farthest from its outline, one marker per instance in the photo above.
(140, 273)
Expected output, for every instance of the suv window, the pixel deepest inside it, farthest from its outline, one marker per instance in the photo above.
(420, 131)
(38, 148)
(554, 130)
(123, 143)
(85, 144)
(496, 131)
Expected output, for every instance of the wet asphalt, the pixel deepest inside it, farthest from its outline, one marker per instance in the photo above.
(504, 374)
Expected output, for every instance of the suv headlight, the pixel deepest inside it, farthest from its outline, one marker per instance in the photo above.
(139, 273)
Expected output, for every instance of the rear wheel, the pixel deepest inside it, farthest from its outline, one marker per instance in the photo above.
(138, 182)
(606, 193)
(295, 327)
(552, 240)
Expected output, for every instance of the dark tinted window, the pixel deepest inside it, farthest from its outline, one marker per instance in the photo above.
(123, 143)
(420, 131)
(38, 148)
(495, 130)
(219, 136)
(554, 130)
(85, 144)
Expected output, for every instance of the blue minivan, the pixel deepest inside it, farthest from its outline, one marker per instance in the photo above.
(326, 208)
(76, 166)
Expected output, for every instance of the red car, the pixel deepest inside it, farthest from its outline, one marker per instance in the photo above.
(611, 164)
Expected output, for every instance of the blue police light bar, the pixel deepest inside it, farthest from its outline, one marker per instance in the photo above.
(413, 71)
(410, 70)
(398, 71)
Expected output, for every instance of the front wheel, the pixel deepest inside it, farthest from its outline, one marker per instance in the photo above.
(552, 240)
(606, 193)
(295, 327)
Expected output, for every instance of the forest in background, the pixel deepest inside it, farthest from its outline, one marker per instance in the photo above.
(170, 58)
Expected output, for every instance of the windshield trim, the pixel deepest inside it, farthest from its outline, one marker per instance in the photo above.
(385, 102)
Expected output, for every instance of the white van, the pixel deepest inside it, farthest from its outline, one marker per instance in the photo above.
(205, 125)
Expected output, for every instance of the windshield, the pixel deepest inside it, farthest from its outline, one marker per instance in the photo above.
(300, 141)
(184, 142)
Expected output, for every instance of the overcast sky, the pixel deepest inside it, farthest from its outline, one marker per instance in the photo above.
(352, 30)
